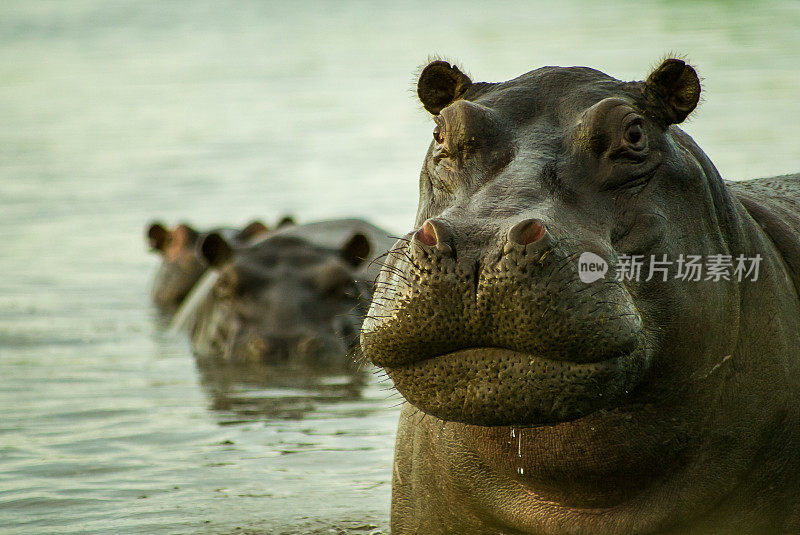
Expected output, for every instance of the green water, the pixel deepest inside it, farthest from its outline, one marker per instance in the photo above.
(116, 112)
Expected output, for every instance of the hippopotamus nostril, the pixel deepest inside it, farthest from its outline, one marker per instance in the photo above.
(527, 231)
(257, 349)
(427, 234)
(434, 233)
(529, 235)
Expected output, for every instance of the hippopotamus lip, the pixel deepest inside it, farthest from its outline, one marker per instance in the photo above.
(502, 351)
(491, 386)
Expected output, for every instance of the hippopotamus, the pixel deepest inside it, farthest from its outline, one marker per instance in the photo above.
(182, 264)
(544, 396)
(296, 297)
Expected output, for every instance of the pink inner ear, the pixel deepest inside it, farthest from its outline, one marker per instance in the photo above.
(178, 243)
(179, 236)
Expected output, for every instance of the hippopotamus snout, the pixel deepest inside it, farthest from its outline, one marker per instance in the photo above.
(470, 297)
(280, 348)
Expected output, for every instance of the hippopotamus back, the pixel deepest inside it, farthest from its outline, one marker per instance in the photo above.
(334, 233)
(775, 204)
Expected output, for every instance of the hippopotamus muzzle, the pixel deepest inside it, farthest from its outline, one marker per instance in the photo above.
(501, 331)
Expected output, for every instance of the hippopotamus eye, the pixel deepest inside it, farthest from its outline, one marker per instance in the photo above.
(634, 135)
(438, 135)
(226, 286)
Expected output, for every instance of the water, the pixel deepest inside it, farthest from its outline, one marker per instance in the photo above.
(116, 112)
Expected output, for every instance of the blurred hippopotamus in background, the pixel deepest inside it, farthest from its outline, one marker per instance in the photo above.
(297, 297)
(182, 264)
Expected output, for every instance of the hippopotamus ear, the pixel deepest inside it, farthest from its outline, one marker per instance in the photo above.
(285, 221)
(157, 236)
(356, 250)
(674, 90)
(253, 229)
(185, 234)
(216, 250)
(440, 84)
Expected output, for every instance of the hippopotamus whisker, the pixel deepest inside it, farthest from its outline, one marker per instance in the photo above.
(385, 263)
(397, 271)
(566, 261)
(401, 238)
(379, 257)
(373, 316)
(397, 251)
(411, 260)
(397, 254)
(387, 287)
(574, 281)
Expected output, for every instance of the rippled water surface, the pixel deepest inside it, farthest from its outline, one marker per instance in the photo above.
(113, 113)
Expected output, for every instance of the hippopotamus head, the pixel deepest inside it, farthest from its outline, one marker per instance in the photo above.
(481, 315)
(182, 264)
(284, 299)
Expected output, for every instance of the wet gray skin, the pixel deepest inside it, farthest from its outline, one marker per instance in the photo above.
(297, 297)
(182, 263)
(538, 403)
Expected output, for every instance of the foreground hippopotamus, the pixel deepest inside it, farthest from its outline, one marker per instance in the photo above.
(549, 389)
(296, 297)
(182, 264)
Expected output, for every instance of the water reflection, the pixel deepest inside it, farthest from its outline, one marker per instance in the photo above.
(241, 393)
